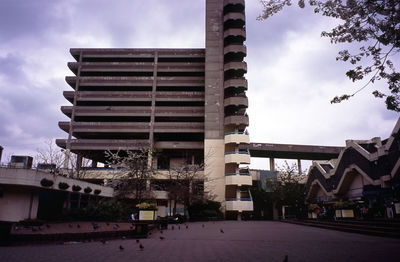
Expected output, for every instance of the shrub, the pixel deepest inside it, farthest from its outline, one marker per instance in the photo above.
(31, 222)
(46, 182)
(63, 186)
(97, 191)
(76, 188)
(87, 190)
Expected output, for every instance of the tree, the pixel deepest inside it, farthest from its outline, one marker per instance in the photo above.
(51, 155)
(375, 24)
(132, 173)
(289, 189)
(185, 185)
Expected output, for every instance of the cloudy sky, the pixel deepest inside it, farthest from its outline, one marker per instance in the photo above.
(292, 72)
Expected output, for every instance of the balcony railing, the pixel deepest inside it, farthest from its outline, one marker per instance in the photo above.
(237, 174)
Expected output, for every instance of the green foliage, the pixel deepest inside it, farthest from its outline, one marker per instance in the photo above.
(373, 24)
(31, 222)
(63, 186)
(104, 210)
(146, 205)
(313, 207)
(205, 210)
(46, 182)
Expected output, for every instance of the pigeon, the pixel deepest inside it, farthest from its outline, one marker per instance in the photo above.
(141, 247)
(149, 233)
(121, 248)
(172, 227)
(103, 241)
(78, 226)
(286, 259)
(222, 231)
(179, 227)
(162, 238)
(187, 226)
(137, 241)
(107, 224)
(70, 225)
(115, 226)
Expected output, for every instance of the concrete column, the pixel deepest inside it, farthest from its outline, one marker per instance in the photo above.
(299, 165)
(79, 161)
(272, 164)
(66, 159)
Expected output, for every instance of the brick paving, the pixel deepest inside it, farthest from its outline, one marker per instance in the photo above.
(241, 241)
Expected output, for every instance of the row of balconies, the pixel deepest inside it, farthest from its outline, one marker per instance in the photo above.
(132, 96)
(192, 111)
(132, 127)
(134, 67)
(135, 81)
(115, 54)
(125, 144)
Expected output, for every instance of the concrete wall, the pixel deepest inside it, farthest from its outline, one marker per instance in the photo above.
(214, 170)
(18, 204)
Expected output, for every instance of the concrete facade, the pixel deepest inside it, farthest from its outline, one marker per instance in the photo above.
(189, 104)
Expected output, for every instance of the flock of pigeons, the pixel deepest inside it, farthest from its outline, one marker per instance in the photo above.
(141, 247)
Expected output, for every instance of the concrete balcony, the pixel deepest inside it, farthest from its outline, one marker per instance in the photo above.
(109, 110)
(113, 95)
(234, 16)
(234, 2)
(104, 144)
(236, 66)
(135, 81)
(176, 111)
(186, 96)
(235, 32)
(235, 49)
(239, 179)
(236, 101)
(242, 157)
(106, 127)
(240, 83)
(239, 204)
(241, 120)
(237, 138)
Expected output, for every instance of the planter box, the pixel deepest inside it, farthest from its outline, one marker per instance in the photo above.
(347, 213)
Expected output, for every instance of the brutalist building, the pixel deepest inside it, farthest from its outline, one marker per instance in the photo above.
(188, 103)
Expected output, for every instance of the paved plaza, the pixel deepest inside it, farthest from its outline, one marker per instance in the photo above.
(240, 241)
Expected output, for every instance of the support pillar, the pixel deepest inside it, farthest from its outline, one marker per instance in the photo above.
(272, 164)
(299, 166)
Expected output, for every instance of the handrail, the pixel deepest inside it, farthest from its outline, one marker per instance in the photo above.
(247, 152)
(237, 133)
(235, 174)
(239, 199)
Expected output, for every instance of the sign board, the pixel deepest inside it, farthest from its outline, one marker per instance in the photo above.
(147, 214)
